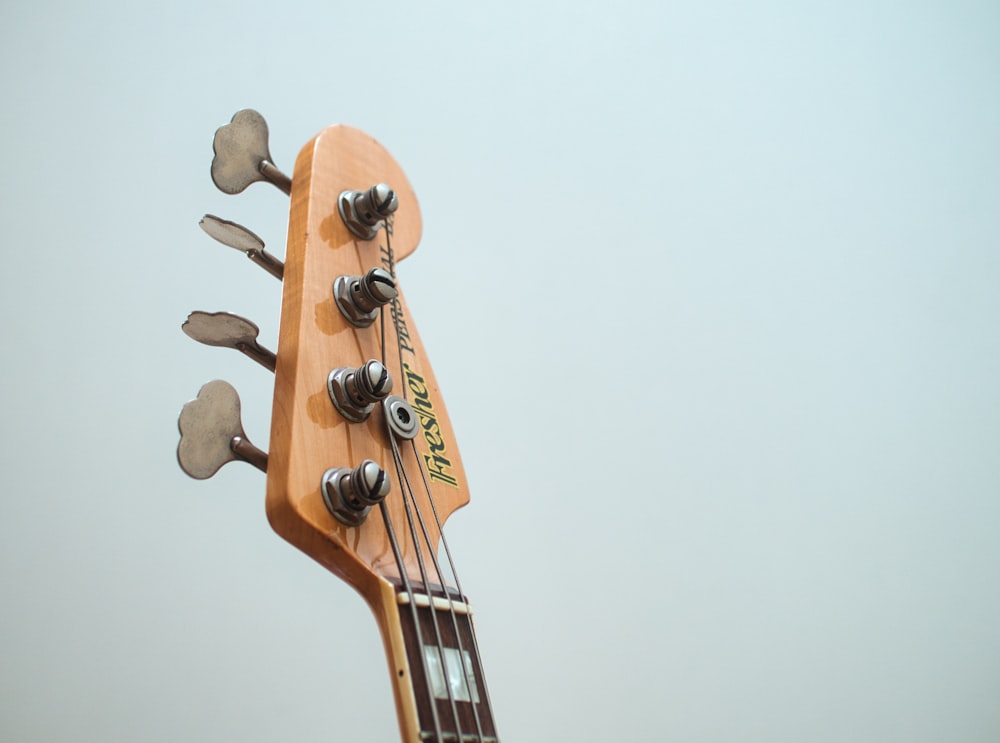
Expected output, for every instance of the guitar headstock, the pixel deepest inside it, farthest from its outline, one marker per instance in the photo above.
(309, 435)
(363, 468)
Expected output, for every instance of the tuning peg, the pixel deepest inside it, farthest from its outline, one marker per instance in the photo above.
(242, 155)
(349, 494)
(365, 211)
(354, 392)
(359, 297)
(212, 433)
(229, 331)
(239, 237)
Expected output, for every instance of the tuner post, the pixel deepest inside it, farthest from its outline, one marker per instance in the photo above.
(364, 212)
(354, 392)
(359, 297)
(349, 494)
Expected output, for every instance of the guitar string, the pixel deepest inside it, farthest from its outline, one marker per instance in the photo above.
(381, 317)
(444, 541)
(391, 256)
(400, 471)
(408, 588)
(458, 584)
(383, 507)
(469, 677)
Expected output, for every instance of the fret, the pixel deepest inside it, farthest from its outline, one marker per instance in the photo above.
(429, 735)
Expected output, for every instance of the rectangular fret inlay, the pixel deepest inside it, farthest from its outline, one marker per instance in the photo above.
(461, 680)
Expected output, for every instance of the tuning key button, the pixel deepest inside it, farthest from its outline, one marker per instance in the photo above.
(242, 155)
(355, 392)
(240, 238)
(350, 494)
(212, 433)
(229, 331)
(359, 297)
(364, 212)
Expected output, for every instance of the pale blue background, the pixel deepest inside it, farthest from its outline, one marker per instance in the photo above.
(712, 292)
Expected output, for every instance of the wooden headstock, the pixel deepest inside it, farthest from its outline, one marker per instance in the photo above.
(308, 435)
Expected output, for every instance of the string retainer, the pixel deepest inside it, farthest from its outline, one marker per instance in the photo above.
(400, 417)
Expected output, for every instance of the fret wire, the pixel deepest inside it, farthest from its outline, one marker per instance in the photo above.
(469, 677)
(458, 583)
(400, 471)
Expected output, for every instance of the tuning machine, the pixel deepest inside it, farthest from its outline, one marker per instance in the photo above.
(212, 433)
(228, 331)
(354, 392)
(349, 494)
(359, 297)
(242, 155)
(364, 212)
(240, 238)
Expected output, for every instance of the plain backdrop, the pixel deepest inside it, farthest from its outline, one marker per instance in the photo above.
(711, 290)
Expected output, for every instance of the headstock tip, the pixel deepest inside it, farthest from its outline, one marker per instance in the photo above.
(341, 158)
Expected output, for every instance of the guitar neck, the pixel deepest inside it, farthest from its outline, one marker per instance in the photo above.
(433, 658)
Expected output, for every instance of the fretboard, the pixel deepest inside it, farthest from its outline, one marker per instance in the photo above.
(446, 674)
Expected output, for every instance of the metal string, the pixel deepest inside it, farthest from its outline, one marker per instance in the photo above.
(469, 676)
(413, 612)
(458, 584)
(430, 549)
(430, 596)
(405, 485)
(397, 553)
(381, 318)
(395, 319)
(401, 476)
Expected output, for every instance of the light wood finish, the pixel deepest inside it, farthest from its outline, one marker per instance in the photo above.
(308, 435)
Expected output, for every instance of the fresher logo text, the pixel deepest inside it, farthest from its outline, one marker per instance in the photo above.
(438, 465)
